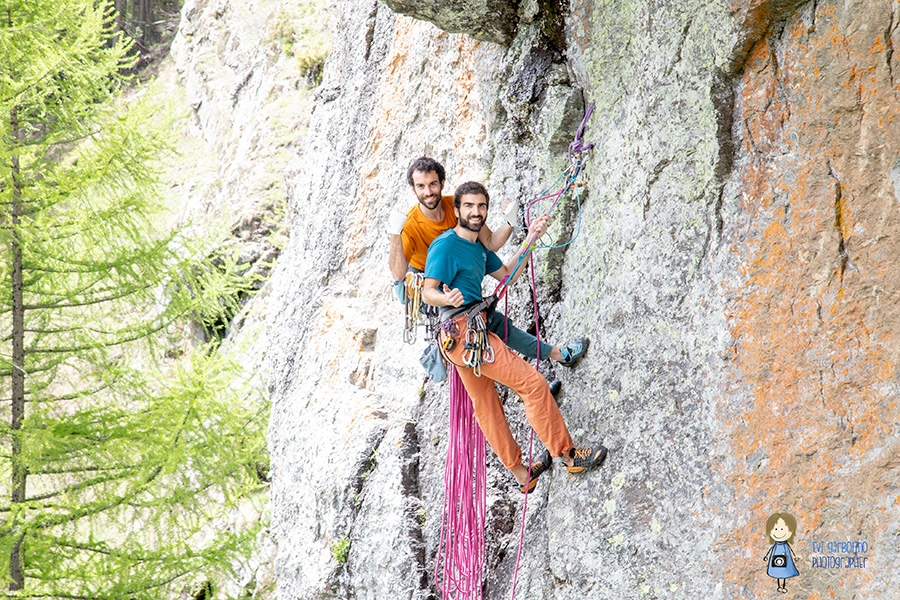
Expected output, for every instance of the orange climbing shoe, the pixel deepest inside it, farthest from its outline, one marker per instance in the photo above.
(586, 458)
(543, 462)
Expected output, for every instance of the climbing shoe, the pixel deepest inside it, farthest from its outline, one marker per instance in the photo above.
(555, 387)
(573, 351)
(538, 466)
(585, 458)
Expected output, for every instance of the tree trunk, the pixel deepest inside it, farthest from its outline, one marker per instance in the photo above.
(121, 7)
(19, 474)
(146, 21)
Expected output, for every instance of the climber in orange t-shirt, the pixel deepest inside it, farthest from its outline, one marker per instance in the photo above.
(411, 233)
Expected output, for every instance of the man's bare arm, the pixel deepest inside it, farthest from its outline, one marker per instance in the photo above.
(397, 260)
(494, 240)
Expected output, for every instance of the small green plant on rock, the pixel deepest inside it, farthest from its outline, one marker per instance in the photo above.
(340, 549)
(311, 63)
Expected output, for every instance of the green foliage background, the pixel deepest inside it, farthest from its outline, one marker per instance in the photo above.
(123, 458)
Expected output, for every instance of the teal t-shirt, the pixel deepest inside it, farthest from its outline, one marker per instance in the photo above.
(460, 263)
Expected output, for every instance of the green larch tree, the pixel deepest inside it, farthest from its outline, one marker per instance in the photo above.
(120, 457)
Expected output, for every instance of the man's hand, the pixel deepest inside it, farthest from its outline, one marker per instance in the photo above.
(510, 210)
(396, 221)
(453, 297)
(538, 227)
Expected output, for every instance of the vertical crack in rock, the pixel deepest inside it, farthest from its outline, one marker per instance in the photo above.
(778, 77)
(409, 482)
(370, 29)
(717, 213)
(651, 181)
(366, 463)
(722, 95)
(677, 57)
(839, 222)
(239, 87)
(502, 519)
(553, 15)
(551, 278)
(347, 505)
(889, 43)
(527, 89)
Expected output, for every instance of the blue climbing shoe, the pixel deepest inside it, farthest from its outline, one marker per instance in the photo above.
(585, 458)
(543, 462)
(573, 352)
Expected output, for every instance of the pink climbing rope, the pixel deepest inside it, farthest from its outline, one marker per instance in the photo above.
(575, 148)
(461, 549)
(537, 362)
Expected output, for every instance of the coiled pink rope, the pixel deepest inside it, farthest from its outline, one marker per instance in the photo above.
(461, 549)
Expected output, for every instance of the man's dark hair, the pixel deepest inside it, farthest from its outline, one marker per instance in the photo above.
(470, 187)
(425, 165)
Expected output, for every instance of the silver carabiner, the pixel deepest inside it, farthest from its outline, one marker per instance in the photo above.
(487, 352)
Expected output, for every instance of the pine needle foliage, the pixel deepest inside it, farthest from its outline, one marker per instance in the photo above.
(119, 462)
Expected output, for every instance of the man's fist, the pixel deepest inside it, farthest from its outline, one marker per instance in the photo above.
(453, 297)
(510, 210)
(396, 221)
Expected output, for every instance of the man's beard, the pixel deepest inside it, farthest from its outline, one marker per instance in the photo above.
(431, 201)
(467, 224)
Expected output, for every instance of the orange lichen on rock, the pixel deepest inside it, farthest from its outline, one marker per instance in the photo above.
(814, 355)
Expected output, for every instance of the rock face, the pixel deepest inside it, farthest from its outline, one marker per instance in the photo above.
(732, 262)
(486, 20)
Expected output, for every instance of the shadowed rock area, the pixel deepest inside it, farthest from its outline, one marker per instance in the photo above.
(732, 262)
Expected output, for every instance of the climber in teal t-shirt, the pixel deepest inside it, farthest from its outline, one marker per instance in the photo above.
(454, 269)
(459, 263)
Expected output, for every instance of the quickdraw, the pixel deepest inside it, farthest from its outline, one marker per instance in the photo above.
(478, 349)
(417, 313)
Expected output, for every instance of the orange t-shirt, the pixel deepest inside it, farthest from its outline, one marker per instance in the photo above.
(419, 231)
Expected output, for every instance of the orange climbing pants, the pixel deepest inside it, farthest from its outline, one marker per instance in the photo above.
(511, 370)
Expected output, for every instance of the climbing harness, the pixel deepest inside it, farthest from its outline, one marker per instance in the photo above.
(417, 313)
(461, 548)
(477, 348)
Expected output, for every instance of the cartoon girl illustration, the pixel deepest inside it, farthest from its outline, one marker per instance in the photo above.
(780, 528)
